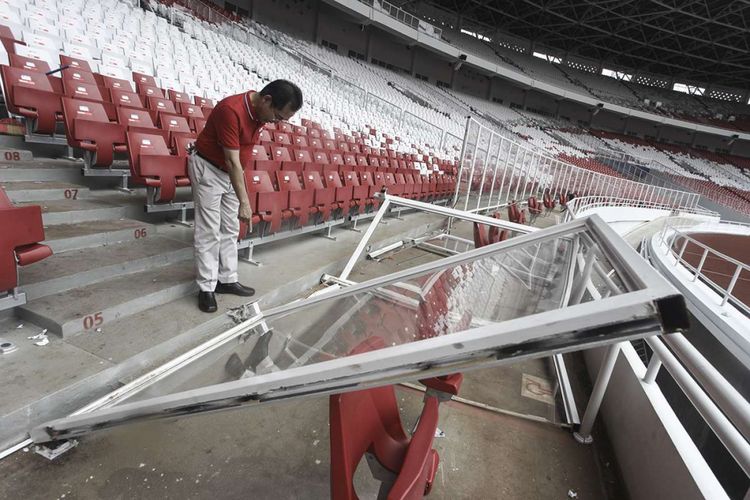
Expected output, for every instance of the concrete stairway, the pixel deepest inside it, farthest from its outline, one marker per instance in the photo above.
(109, 263)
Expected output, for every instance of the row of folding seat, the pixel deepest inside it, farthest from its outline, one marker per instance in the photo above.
(323, 194)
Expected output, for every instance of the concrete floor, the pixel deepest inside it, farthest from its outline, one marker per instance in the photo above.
(281, 452)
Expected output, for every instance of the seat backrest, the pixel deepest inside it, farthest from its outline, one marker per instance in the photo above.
(258, 181)
(350, 178)
(132, 117)
(174, 123)
(182, 143)
(280, 153)
(259, 153)
(300, 141)
(315, 142)
(312, 180)
(320, 157)
(78, 75)
(267, 165)
(161, 105)
(388, 178)
(336, 159)
(79, 90)
(285, 127)
(113, 83)
(144, 143)
(332, 179)
(180, 97)
(19, 77)
(142, 80)
(126, 98)
(190, 110)
(203, 102)
(288, 180)
(74, 109)
(366, 179)
(149, 91)
(28, 63)
(75, 63)
(303, 155)
(282, 138)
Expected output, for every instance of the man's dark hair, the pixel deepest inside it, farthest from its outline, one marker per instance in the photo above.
(283, 92)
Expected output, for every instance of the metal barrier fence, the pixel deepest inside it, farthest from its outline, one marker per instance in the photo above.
(676, 242)
(583, 203)
(495, 170)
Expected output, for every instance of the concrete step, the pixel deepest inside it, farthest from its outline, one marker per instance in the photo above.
(64, 237)
(94, 306)
(23, 191)
(83, 267)
(12, 155)
(74, 211)
(41, 170)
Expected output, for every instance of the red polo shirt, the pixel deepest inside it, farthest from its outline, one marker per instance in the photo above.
(230, 125)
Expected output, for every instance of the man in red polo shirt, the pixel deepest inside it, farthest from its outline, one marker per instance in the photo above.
(219, 195)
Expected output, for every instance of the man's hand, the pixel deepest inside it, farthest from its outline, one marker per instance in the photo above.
(246, 214)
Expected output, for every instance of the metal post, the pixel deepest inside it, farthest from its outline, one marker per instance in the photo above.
(365, 239)
(494, 170)
(461, 159)
(520, 173)
(583, 435)
(484, 170)
(653, 369)
(736, 276)
(505, 172)
(473, 165)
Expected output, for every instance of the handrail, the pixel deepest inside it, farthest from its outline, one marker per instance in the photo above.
(490, 152)
(725, 292)
(577, 205)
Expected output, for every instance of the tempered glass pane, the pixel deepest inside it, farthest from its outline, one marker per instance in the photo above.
(523, 281)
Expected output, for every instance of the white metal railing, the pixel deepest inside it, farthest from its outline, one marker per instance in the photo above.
(404, 17)
(578, 205)
(495, 170)
(671, 236)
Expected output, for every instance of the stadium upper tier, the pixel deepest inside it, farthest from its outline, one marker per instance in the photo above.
(186, 54)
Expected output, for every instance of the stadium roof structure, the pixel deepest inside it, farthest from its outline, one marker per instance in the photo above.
(699, 40)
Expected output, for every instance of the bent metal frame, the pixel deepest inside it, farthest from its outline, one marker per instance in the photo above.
(642, 305)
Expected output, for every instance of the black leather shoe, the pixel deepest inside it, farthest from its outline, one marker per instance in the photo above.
(235, 289)
(207, 302)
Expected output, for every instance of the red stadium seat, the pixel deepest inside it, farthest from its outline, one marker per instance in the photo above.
(203, 102)
(303, 155)
(113, 83)
(285, 127)
(23, 230)
(147, 91)
(142, 81)
(300, 199)
(315, 143)
(270, 205)
(259, 152)
(300, 141)
(30, 94)
(320, 157)
(88, 127)
(343, 195)
(28, 63)
(152, 164)
(126, 99)
(515, 214)
(75, 63)
(369, 420)
(175, 125)
(200, 124)
(182, 144)
(178, 97)
(90, 92)
(282, 138)
(360, 193)
(323, 197)
(270, 166)
(336, 159)
(158, 105)
(280, 153)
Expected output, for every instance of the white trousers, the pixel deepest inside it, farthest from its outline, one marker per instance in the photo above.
(216, 224)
